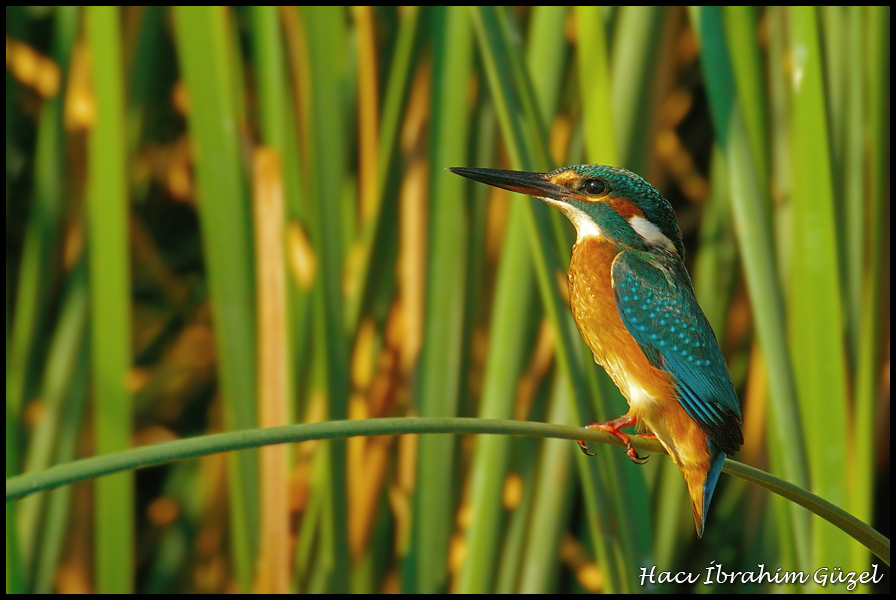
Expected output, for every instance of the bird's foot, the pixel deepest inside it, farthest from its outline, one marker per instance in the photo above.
(613, 427)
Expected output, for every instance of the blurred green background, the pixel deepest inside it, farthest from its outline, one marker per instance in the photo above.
(228, 218)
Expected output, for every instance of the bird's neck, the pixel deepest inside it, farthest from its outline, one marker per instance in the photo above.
(589, 269)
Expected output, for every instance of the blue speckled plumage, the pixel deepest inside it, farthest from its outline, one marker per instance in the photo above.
(665, 320)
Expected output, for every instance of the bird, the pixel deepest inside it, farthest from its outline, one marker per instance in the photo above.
(634, 304)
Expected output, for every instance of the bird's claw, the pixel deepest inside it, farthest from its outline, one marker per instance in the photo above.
(633, 455)
(584, 447)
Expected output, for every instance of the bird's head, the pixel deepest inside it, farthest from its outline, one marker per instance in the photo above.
(602, 201)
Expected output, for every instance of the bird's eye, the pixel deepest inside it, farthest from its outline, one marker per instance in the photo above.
(595, 187)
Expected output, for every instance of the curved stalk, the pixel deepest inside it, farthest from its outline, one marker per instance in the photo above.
(24, 485)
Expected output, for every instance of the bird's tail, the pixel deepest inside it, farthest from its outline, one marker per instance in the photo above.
(701, 485)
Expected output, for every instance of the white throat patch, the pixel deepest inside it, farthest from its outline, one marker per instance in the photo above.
(585, 227)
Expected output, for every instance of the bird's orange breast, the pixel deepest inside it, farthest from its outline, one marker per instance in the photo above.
(594, 308)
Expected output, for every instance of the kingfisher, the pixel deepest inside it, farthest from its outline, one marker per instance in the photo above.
(634, 304)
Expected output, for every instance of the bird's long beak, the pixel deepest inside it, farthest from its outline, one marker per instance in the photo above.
(523, 182)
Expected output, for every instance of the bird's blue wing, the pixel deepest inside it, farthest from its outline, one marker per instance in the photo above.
(667, 323)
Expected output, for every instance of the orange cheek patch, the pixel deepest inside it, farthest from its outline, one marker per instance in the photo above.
(623, 207)
(568, 179)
